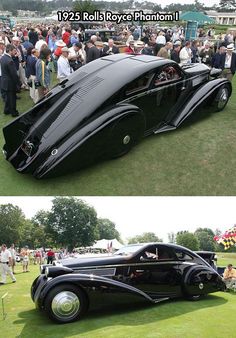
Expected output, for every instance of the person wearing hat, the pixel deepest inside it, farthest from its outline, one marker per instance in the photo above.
(63, 66)
(206, 54)
(60, 44)
(228, 62)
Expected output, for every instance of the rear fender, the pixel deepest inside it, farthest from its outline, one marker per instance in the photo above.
(86, 145)
(90, 281)
(202, 96)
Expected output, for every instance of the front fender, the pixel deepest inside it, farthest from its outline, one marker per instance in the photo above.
(201, 280)
(85, 145)
(87, 282)
(201, 96)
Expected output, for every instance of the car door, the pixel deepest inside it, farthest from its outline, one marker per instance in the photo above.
(157, 272)
(162, 95)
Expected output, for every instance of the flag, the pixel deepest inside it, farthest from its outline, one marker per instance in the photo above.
(228, 239)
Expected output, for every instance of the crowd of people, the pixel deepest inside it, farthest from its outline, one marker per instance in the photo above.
(29, 53)
(10, 256)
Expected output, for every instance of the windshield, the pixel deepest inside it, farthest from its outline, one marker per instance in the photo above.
(128, 250)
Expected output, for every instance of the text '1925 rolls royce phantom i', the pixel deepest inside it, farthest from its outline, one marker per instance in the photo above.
(107, 106)
(154, 272)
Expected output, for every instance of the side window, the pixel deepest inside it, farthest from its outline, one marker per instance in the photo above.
(181, 255)
(166, 74)
(138, 84)
(159, 253)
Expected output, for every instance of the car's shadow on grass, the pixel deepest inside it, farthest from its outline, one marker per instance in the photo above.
(108, 315)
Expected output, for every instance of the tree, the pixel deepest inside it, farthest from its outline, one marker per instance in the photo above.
(146, 237)
(206, 239)
(12, 221)
(107, 229)
(39, 235)
(71, 222)
(85, 6)
(187, 239)
(227, 5)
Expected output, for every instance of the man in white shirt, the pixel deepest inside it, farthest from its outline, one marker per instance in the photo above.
(13, 257)
(185, 54)
(228, 62)
(40, 43)
(63, 66)
(5, 263)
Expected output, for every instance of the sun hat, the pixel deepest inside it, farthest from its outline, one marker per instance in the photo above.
(60, 43)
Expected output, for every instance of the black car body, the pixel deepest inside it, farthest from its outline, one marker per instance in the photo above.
(154, 272)
(103, 109)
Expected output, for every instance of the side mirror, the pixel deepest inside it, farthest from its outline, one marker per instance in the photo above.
(142, 258)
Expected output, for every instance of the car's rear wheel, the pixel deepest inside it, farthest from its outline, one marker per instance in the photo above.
(66, 303)
(222, 98)
(124, 134)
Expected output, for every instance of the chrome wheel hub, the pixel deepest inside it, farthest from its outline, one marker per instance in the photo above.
(201, 286)
(65, 304)
(223, 98)
(126, 139)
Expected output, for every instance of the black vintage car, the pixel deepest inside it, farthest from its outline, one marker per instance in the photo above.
(103, 109)
(154, 272)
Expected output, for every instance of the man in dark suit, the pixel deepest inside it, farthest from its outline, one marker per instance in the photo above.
(93, 52)
(10, 83)
(228, 62)
(110, 48)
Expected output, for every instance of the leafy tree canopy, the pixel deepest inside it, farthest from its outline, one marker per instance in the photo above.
(107, 229)
(188, 240)
(146, 237)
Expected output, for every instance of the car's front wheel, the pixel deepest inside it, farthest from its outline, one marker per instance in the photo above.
(124, 134)
(222, 98)
(66, 303)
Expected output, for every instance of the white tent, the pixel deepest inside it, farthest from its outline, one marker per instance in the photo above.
(107, 243)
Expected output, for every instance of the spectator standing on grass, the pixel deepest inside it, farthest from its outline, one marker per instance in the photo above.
(50, 256)
(63, 66)
(13, 257)
(10, 82)
(25, 254)
(43, 76)
(185, 54)
(228, 62)
(5, 264)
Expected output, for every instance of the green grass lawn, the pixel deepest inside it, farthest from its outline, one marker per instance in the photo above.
(213, 316)
(225, 258)
(195, 160)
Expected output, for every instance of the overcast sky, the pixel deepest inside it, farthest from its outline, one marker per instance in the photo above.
(161, 215)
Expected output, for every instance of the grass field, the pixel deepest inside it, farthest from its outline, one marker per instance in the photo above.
(225, 258)
(195, 160)
(212, 316)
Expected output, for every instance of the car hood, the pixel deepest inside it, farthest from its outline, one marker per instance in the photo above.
(94, 261)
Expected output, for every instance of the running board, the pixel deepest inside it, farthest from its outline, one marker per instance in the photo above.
(165, 127)
(160, 300)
